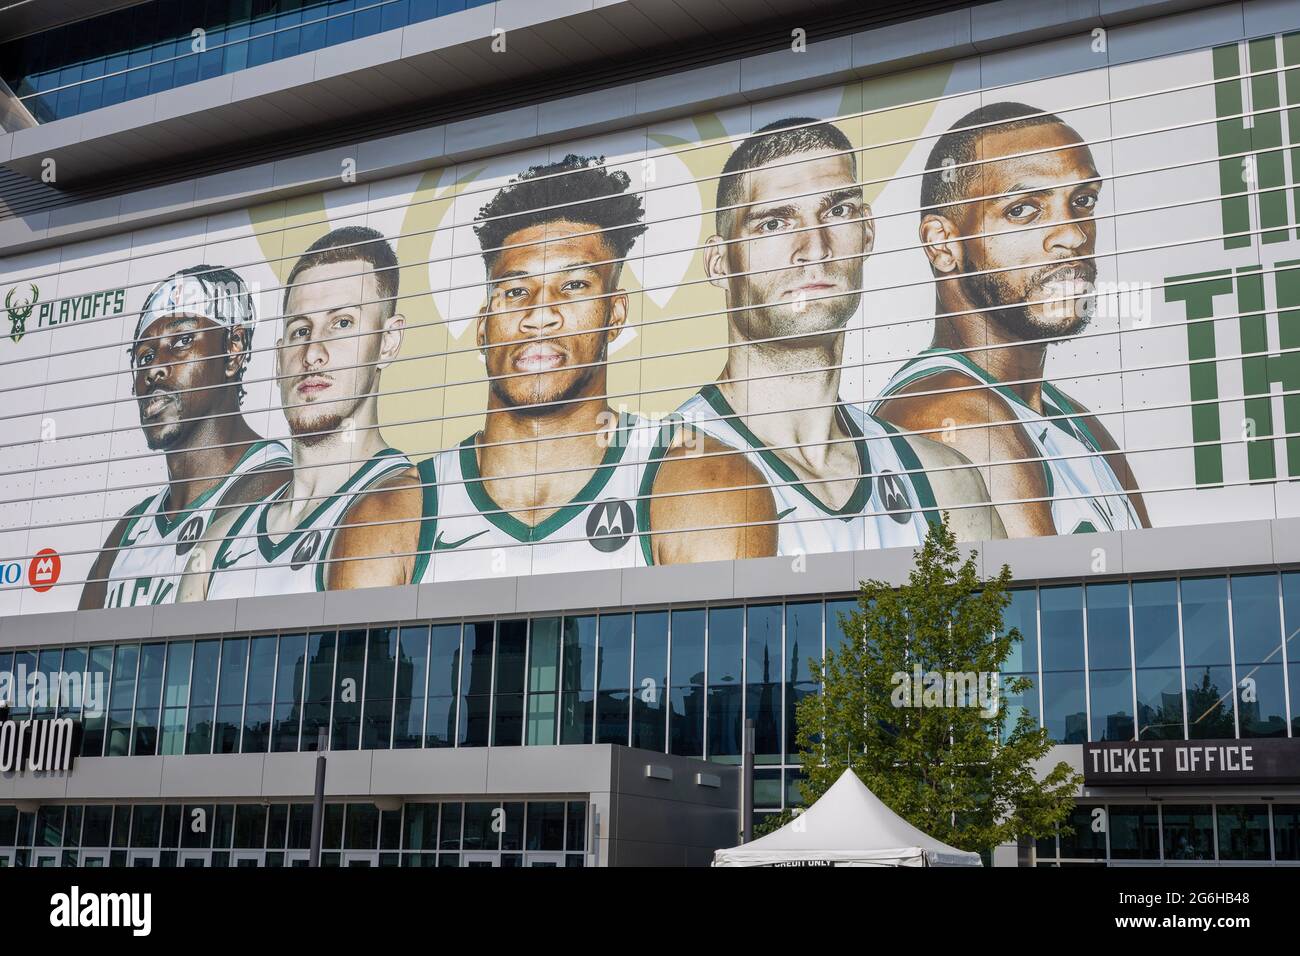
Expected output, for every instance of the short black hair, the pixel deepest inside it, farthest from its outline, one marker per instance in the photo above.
(787, 137)
(960, 146)
(353, 244)
(576, 189)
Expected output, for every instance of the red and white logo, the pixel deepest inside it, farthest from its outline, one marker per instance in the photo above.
(43, 571)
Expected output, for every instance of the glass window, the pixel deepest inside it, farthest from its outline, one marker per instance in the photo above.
(802, 647)
(361, 831)
(613, 678)
(1111, 704)
(837, 614)
(649, 680)
(1160, 703)
(1243, 832)
(122, 698)
(726, 644)
(575, 826)
(543, 680)
(49, 826)
(196, 827)
(257, 699)
(148, 699)
(1021, 613)
(1291, 613)
(277, 826)
(203, 697)
(408, 703)
(1061, 613)
(1210, 700)
(299, 826)
(1256, 619)
(1134, 833)
(349, 677)
(767, 789)
(545, 827)
(508, 702)
(320, 688)
(578, 665)
(512, 837)
(420, 826)
(1261, 700)
(1205, 622)
(1189, 832)
(97, 825)
(1064, 710)
(1155, 623)
(476, 684)
(1286, 831)
(48, 664)
(176, 697)
(478, 832)
(444, 674)
(250, 826)
(381, 672)
(763, 679)
(286, 716)
(95, 716)
(230, 695)
(74, 696)
(449, 827)
(686, 702)
(1083, 835)
(1108, 631)
(146, 825)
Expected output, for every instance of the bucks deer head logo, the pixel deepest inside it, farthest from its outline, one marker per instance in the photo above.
(20, 310)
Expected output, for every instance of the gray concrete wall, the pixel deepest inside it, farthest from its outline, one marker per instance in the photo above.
(1210, 547)
(667, 816)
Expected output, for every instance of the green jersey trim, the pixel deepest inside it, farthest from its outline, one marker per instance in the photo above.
(920, 480)
(428, 473)
(861, 490)
(493, 512)
(271, 550)
(167, 525)
(133, 518)
(663, 443)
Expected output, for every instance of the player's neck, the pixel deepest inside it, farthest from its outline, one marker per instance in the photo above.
(535, 464)
(320, 468)
(214, 449)
(983, 341)
(793, 412)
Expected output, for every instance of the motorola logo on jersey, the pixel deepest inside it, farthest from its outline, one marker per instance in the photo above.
(610, 525)
(189, 534)
(44, 569)
(893, 497)
(306, 550)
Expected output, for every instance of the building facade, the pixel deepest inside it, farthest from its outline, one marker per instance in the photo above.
(509, 398)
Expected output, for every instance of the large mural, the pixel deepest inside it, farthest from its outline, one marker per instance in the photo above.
(813, 324)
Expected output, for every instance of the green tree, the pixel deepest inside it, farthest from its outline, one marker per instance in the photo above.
(962, 772)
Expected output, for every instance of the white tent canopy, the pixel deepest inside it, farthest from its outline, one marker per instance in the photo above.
(848, 826)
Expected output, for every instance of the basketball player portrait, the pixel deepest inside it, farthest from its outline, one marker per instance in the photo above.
(191, 347)
(792, 233)
(340, 329)
(557, 480)
(1011, 239)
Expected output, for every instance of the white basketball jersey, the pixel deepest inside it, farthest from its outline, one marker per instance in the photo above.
(248, 561)
(156, 543)
(466, 534)
(891, 505)
(1086, 494)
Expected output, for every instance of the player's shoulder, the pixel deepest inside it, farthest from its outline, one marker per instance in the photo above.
(946, 393)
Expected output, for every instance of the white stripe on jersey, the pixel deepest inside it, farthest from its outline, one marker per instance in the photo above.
(466, 534)
(156, 545)
(1086, 494)
(248, 562)
(891, 504)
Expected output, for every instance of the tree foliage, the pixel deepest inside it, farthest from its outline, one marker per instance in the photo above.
(961, 772)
